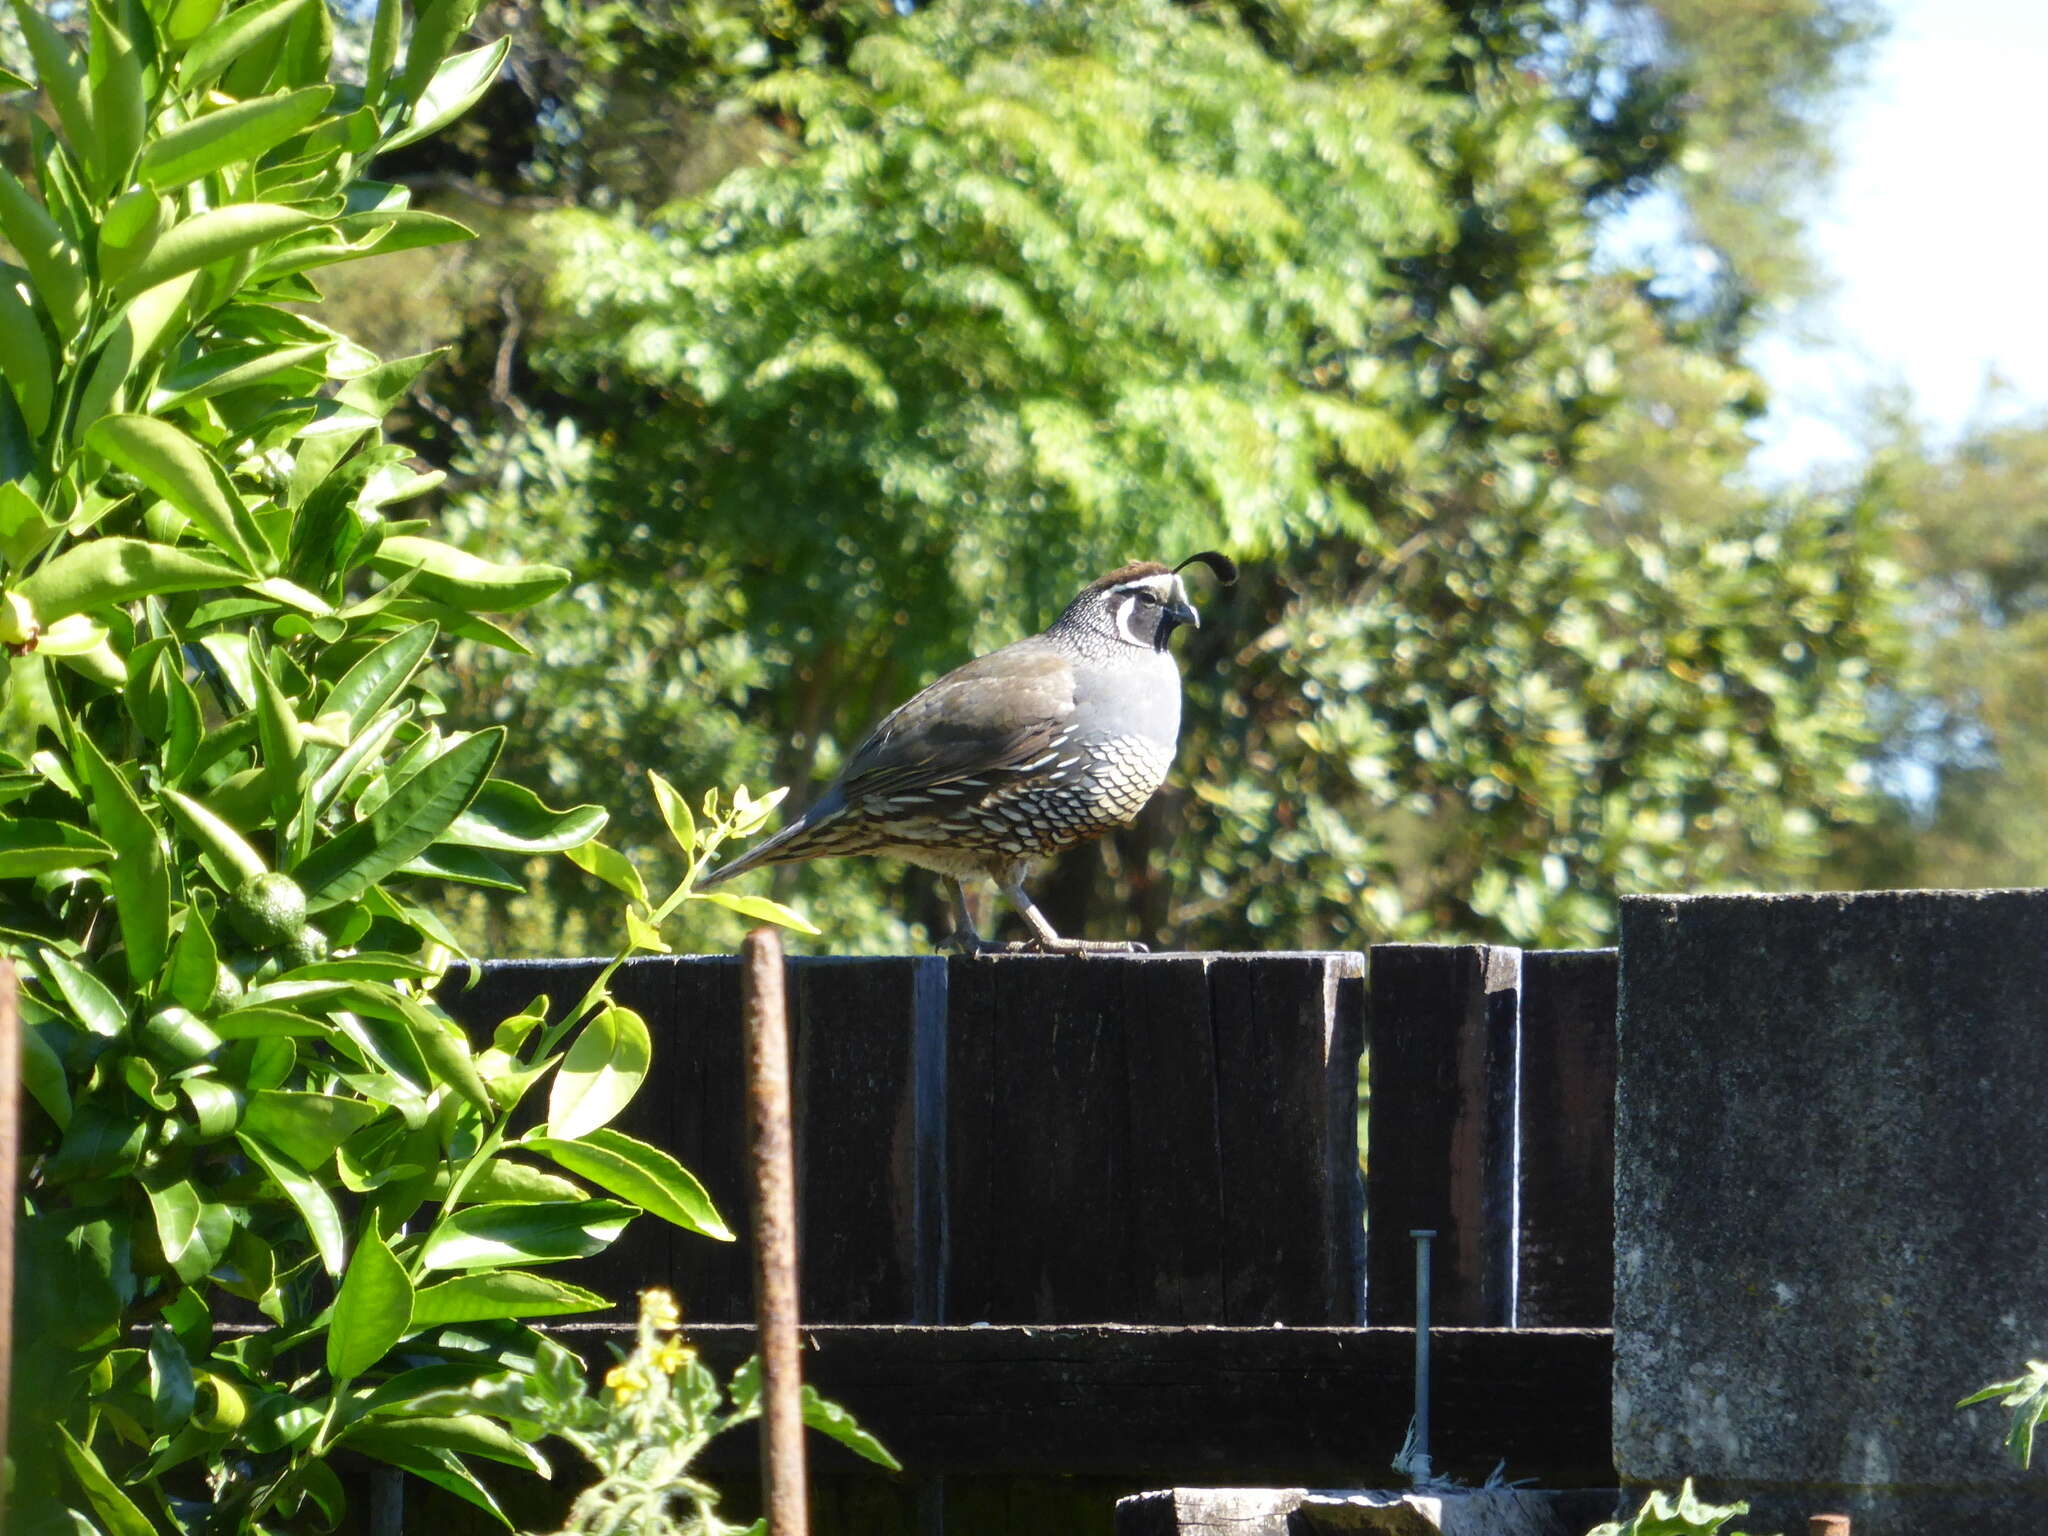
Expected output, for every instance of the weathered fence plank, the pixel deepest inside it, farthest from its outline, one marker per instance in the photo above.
(1565, 1268)
(869, 1057)
(1153, 1139)
(1441, 1132)
(1288, 1031)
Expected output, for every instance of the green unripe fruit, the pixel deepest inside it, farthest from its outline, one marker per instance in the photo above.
(268, 910)
(306, 947)
(227, 986)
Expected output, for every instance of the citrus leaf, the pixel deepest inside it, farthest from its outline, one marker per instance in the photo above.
(456, 87)
(835, 1423)
(610, 866)
(306, 1127)
(598, 1078)
(511, 818)
(55, 265)
(232, 860)
(29, 847)
(117, 570)
(140, 873)
(313, 1202)
(24, 354)
(763, 908)
(213, 236)
(465, 581)
(635, 1171)
(241, 132)
(193, 1230)
(184, 474)
(213, 50)
(372, 682)
(675, 812)
(114, 1507)
(372, 1311)
(506, 1293)
(480, 1236)
(62, 75)
(415, 816)
(90, 1000)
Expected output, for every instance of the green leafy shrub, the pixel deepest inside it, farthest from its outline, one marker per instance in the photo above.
(1685, 1515)
(2025, 1398)
(226, 773)
(659, 1407)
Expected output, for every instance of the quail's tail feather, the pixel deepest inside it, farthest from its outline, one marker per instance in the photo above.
(761, 853)
(799, 840)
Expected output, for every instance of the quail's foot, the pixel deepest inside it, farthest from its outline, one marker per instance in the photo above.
(965, 941)
(1059, 946)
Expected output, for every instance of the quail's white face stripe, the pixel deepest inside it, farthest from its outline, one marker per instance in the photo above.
(1126, 610)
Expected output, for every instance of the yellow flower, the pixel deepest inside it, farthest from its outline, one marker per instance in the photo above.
(658, 1309)
(625, 1380)
(672, 1356)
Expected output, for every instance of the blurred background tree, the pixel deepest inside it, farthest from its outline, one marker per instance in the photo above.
(832, 346)
(834, 342)
(1964, 749)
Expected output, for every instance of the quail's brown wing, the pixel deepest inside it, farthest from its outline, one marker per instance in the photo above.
(987, 721)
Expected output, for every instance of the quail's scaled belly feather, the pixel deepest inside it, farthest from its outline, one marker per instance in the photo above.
(1018, 754)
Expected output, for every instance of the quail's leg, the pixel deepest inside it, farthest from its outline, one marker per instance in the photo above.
(964, 939)
(1051, 943)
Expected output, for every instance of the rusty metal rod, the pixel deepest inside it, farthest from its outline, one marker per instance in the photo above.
(10, 1195)
(771, 1149)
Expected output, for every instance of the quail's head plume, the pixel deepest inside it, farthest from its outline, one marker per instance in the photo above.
(1018, 754)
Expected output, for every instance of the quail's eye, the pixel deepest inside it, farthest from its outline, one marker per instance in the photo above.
(1148, 597)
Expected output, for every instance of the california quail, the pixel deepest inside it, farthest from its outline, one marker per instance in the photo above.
(1018, 754)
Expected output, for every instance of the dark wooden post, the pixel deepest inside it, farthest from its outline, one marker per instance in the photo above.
(1566, 1271)
(1444, 1030)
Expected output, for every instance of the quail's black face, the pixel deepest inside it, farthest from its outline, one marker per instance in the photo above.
(1143, 612)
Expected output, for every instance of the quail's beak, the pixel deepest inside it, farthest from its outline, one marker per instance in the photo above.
(1184, 613)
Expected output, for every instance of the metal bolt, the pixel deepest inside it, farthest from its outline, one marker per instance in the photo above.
(1418, 1458)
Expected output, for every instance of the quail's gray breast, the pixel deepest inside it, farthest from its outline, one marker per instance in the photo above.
(1081, 789)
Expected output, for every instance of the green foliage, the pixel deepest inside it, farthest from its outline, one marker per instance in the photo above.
(658, 1409)
(2026, 1399)
(1686, 1515)
(1029, 290)
(227, 776)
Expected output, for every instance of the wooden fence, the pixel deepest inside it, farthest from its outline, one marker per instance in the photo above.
(1052, 1210)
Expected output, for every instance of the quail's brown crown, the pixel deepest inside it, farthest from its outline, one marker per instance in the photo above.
(1124, 573)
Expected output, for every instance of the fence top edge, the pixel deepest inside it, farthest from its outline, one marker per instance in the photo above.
(1830, 900)
(1344, 957)
(1053, 1332)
